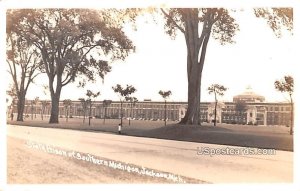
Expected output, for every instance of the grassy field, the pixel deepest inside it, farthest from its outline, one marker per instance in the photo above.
(276, 137)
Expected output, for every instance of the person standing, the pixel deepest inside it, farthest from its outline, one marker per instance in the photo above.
(119, 128)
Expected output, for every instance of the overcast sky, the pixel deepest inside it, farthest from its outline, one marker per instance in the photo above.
(257, 59)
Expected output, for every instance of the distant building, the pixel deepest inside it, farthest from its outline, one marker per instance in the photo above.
(249, 97)
(251, 108)
(246, 108)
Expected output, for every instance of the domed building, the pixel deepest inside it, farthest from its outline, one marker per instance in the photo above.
(249, 97)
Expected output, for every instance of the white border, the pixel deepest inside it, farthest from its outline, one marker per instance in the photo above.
(7, 4)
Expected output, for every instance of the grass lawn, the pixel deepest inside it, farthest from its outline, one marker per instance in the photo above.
(276, 137)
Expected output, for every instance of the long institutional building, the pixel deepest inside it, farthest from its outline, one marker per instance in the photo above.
(254, 110)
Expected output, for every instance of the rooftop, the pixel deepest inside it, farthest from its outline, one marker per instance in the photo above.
(249, 96)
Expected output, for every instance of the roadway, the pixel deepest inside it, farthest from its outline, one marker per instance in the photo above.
(178, 157)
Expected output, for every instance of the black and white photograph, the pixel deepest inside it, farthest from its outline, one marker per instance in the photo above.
(158, 93)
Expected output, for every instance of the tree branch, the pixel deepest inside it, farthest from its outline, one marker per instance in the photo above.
(171, 19)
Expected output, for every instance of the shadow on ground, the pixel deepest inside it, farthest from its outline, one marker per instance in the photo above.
(245, 136)
(223, 136)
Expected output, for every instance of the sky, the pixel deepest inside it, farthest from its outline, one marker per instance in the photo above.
(257, 59)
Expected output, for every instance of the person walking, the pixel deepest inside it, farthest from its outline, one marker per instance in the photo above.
(12, 116)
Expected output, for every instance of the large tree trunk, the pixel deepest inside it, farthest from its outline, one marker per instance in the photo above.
(195, 46)
(20, 107)
(55, 97)
(195, 69)
(54, 108)
(192, 113)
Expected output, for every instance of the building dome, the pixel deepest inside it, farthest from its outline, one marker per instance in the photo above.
(249, 97)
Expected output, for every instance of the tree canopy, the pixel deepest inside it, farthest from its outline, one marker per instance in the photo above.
(72, 43)
(216, 89)
(197, 26)
(278, 19)
(124, 91)
(23, 63)
(165, 94)
(287, 85)
(65, 37)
